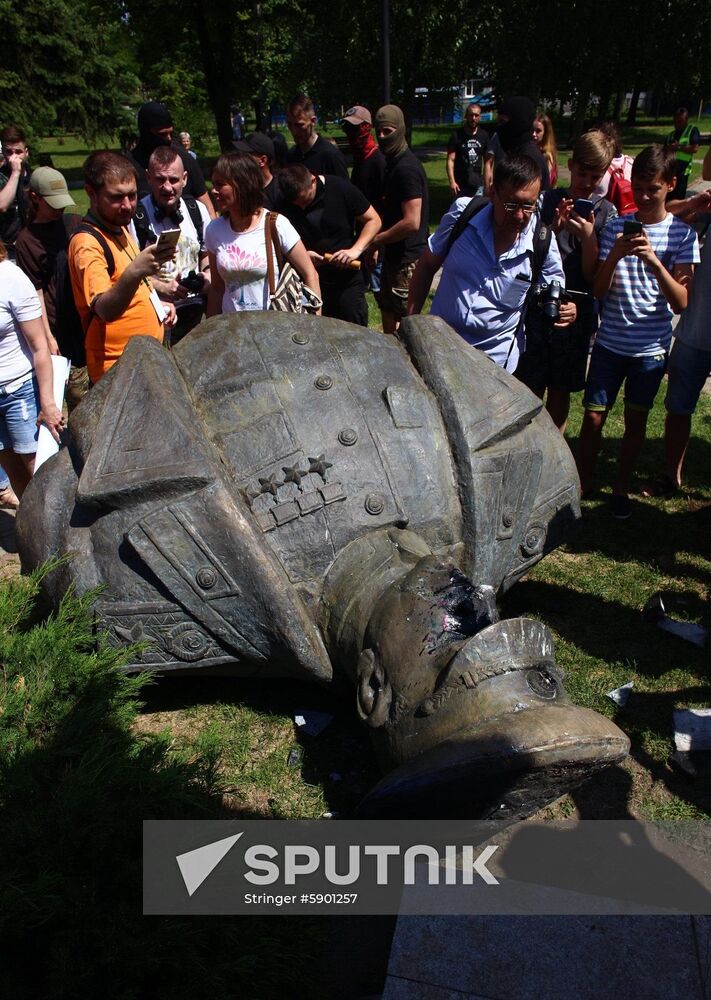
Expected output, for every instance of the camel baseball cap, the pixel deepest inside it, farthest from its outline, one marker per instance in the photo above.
(357, 114)
(49, 184)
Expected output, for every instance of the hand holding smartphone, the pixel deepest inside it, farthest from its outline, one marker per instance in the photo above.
(631, 227)
(583, 207)
(167, 242)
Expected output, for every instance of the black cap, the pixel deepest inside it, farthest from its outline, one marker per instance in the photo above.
(258, 144)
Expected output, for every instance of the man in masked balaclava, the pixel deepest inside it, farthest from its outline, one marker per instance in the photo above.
(404, 210)
(514, 136)
(155, 128)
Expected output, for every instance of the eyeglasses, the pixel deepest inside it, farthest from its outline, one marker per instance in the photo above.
(527, 207)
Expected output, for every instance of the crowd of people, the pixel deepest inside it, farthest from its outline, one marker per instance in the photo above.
(572, 289)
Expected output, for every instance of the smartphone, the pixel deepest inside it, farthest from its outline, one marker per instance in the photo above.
(631, 227)
(167, 240)
(583, 207)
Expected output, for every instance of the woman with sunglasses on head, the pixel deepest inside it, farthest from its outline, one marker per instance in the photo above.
(26, 383)
(236, 242)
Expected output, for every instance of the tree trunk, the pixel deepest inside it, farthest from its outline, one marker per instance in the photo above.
(604, 102)
(619, 98)
(216, 82)
(581, 109)
(632, 113)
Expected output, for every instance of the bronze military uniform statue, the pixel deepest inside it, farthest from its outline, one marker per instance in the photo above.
(299, 497)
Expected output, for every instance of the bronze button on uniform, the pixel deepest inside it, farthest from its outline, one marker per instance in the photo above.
(347, 436)
(374, 503)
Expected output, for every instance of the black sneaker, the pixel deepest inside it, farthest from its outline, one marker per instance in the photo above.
(620, 506)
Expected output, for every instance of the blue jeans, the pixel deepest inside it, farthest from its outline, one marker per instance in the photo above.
(689, 367)
(642, 377)
(18, 418)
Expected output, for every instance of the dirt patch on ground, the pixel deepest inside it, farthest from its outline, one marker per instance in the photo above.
(9, 559)
(183, 727)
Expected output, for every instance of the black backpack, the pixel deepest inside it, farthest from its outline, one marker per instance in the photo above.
(68, 328)
(541, 245)
(145, 233)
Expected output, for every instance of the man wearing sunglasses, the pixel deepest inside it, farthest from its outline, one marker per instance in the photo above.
(488, 271)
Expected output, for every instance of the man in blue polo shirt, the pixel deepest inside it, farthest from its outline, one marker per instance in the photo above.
(486, 275)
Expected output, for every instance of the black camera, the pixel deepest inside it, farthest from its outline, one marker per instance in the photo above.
(194, 282)
(548, 298)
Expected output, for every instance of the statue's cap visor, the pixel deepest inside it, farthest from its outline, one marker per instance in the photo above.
(506, 767)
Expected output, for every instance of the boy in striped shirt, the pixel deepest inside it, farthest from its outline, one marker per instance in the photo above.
(642, 280)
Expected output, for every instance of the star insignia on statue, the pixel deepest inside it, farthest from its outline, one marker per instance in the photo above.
(270, 484)
(292, 474)
(320, 465)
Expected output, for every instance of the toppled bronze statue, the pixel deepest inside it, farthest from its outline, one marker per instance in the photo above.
(300, 497)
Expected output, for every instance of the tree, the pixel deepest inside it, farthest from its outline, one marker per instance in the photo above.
(65, 66)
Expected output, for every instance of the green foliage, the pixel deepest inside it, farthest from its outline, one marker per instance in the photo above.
(65, 66)
(569, 50)
(75, 785)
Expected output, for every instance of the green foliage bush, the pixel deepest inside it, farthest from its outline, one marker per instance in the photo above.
(76, 782)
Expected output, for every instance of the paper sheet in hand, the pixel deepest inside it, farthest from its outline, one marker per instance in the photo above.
(46, 445)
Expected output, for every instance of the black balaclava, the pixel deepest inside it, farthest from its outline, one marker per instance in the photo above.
(152, 115)
(518, 130)
(394, 144)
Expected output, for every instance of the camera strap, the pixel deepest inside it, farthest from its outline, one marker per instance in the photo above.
(541, 245)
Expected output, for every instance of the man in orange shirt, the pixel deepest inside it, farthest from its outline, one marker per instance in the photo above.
(110, 277)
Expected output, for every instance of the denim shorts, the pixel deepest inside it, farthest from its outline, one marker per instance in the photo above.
(689, 367)
(18, 419)
(642, 377)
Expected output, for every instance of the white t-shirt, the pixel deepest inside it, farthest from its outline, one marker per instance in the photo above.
(18, 303)
(189, 249)
(241, 260)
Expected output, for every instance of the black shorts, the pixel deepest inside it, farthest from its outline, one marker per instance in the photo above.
(555, 358)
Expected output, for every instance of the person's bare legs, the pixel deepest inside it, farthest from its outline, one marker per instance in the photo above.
(677, 431)
(632, 441)
(589, 446)
(558, 406)
(19, 469)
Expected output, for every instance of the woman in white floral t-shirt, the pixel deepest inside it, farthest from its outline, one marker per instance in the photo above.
(236, 242)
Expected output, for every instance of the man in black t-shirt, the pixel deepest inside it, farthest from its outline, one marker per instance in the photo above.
(368, 173)
(326, 211)
(404, 210)
(14, 186)
(155, 128)
(311, 149)
(465, 151)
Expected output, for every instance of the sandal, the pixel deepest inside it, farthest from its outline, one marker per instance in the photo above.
(661, 486)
